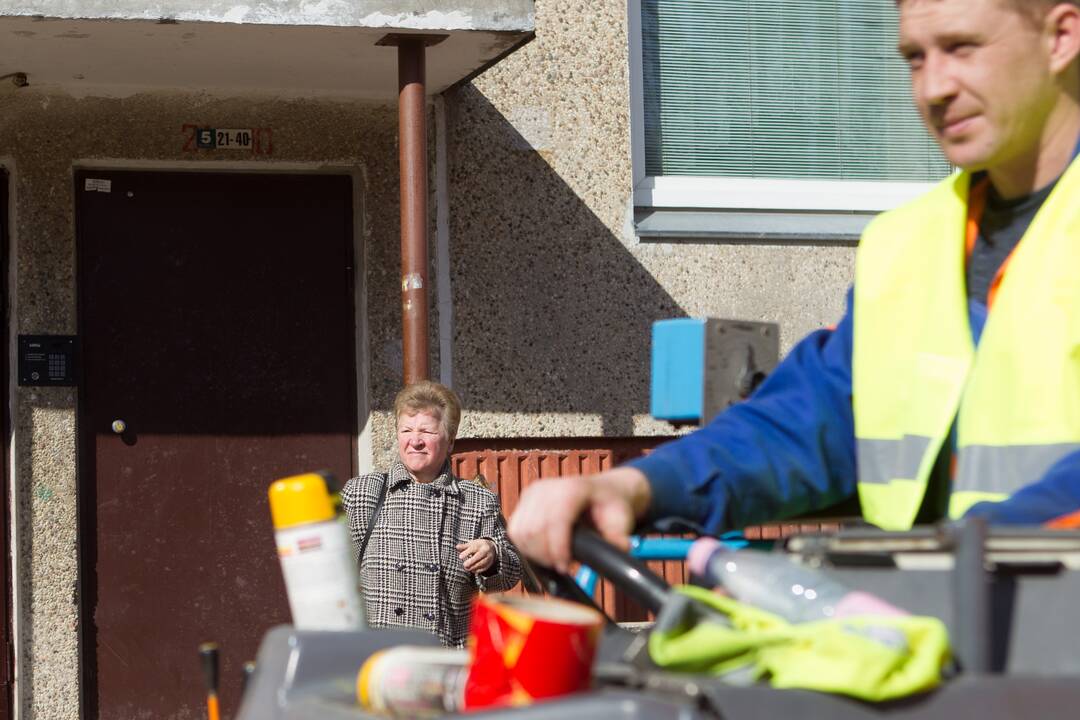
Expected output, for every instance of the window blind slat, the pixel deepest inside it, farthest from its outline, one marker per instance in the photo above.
(780, 89)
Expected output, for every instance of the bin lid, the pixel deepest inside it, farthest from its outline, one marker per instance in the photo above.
(931, 548)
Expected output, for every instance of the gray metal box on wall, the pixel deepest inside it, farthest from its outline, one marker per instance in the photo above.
(701, 366)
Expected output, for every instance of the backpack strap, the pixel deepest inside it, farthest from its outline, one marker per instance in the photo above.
(374, 517)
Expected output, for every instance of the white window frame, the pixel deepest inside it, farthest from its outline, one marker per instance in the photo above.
(743, 194)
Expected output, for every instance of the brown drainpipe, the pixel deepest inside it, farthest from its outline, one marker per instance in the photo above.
(412, 141)
(413, 163)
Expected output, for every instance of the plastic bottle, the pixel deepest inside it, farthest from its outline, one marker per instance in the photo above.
(413, 682)
(795, 592)
(316, 556)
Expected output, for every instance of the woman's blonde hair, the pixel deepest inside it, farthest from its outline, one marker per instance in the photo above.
(428, 395)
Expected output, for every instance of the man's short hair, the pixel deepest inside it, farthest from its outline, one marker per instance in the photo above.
(1031, 9)
(430, 396)
(1035, 9)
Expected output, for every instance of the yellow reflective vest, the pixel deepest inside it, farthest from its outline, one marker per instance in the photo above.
(1015, 398)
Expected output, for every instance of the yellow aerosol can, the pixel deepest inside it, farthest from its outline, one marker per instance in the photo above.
(316, 556)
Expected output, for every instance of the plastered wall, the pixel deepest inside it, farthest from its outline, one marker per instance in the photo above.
(553, 294)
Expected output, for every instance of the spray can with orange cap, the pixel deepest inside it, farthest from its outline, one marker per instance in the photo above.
(410, 681)
(316, 556)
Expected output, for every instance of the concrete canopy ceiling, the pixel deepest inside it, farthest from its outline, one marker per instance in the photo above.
(284, 47)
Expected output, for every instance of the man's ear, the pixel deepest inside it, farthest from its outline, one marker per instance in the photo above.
(1063, 34)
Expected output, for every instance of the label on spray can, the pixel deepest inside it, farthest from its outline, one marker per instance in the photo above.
(320, 576)
(413, 682)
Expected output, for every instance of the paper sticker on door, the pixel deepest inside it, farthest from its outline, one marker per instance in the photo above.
(98, 185)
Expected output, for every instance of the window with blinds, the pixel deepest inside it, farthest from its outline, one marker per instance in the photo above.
(785, 89)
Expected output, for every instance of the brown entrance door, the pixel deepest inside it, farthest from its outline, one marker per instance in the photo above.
(216, 323)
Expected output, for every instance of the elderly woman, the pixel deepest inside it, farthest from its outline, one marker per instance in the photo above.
(435, 540)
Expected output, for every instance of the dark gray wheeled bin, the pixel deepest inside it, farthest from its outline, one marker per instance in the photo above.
(1010, 598)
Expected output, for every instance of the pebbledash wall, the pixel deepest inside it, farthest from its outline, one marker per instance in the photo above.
(542, 317)
(553, 295)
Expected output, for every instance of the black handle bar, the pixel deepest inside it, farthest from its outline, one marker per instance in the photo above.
(628, 574)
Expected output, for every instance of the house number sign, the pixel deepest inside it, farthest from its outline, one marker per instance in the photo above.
(201, 138)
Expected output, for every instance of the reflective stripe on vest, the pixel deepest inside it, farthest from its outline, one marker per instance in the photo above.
(1016, 400)
(1002, 470)
(883, 460)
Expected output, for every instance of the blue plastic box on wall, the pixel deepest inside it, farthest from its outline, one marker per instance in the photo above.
(702, 365)
(678, 369)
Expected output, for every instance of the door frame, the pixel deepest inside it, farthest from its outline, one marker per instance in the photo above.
(8, 536)
(362, 442)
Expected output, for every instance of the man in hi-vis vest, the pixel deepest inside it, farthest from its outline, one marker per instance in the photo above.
(951, 386)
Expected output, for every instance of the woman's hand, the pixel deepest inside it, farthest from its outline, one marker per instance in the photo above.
(477, 555)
